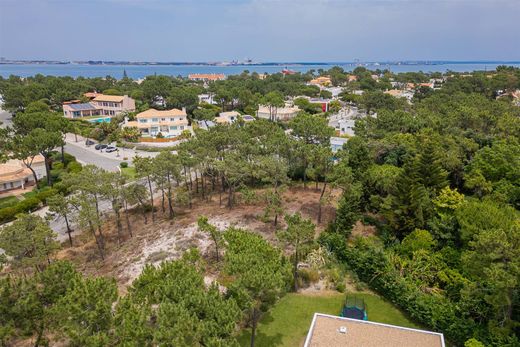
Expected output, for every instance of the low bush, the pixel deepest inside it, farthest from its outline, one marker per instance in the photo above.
(341, 287)
(28, 205)
(7, 214)
(31, 202)
(123, 164)
(44, 194)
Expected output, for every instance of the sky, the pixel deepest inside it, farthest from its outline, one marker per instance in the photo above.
(262, 30)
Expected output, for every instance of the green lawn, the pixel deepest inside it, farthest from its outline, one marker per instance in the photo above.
(128, 172)
(8, 201)
(288, 322)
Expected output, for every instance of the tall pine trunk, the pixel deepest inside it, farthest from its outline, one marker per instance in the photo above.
(69, 230)
(321, 202)
(151, 197)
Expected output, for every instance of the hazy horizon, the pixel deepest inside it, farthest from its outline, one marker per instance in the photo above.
(329, 31)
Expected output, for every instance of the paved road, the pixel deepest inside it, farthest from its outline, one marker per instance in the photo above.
(91, 156)
(5, 119)
(107, 161)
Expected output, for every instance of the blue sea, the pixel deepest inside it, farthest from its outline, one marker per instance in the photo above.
(141, 71)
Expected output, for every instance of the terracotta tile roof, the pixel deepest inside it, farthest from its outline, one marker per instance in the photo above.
(90, 95)
(394, 92)
(109, 98)
(15, 170)
(207, 76)
(153, 113)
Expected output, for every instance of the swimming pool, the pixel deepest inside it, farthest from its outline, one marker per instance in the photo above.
(100, 120)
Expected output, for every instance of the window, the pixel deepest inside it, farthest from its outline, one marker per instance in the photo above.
(155, 120)
(173, 127)
(182, 127)
(143, 120)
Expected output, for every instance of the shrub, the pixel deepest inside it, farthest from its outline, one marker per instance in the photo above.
(45, 194)
(74, 167)
(341, 287)
(123, 164)
(7, 214)
(28, 205)
(307, 277)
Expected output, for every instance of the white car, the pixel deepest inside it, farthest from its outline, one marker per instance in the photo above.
(110, 149)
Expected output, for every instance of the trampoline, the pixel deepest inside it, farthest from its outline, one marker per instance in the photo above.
(354, 308)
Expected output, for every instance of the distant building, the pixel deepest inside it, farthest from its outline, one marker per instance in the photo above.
(336, 143)
(207, 98)
(324, 103)
(100, 105)
(333, 331)
(352, 78)
(322, 81)
(227, 117)
(398, 93)
(231, 117)
(169, 123)
(205, 124)
(346, 127)
(334, 90)
(15, 175)
(344, 121)
(279, 113)
(205, 77)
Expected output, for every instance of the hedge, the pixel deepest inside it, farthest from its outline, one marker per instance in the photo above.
(29, 204)
(437, 312)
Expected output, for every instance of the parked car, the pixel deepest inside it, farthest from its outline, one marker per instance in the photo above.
(89, 143)
(100, 146)
(110, 149)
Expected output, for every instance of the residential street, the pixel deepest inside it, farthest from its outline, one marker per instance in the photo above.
(108, 161)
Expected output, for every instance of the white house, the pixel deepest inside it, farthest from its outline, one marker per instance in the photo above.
(336, 143)
(169, 123)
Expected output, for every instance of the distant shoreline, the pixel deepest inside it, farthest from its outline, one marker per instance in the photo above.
(142, 70)
(244, 64)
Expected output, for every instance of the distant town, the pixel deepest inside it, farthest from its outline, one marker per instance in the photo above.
(244, 62)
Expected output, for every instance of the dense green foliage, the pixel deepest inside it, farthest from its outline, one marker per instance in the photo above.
(168, 305)
(439, 178)
(442, 178)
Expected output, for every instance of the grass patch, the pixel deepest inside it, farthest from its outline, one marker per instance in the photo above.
(288, 322)
(129, 172)
(8, 201)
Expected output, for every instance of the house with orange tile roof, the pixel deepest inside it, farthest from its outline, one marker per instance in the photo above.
(14, 174)
(167, 123)
(322, 81)
(207, 77)
(99, 105)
